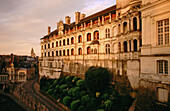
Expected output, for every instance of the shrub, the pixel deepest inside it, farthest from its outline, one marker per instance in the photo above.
(97, 79)
(92, 104)
(61, 81)
(57, 86)
(50, 91)
(85, 99)
(74, 105)
(68, 79)
(105, 96)
(101, 110)
(66, 100)
(82, 93)
(70, 91)
(82, 108)
(108, 104)
(64, 86)
(80, 83)
(75, 79)
(65, 91)
(76, 92)
(55, 91)
(55, 82)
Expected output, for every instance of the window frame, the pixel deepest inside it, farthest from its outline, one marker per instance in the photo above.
(163, 69)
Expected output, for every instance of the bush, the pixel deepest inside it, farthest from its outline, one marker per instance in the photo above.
(75, 79)
(101, 110)
(76, 92)
(74, 105)
(82, 108)
(80, 83)
(97, 79)
(82, 93)
(92, 104)
(64, 86)
(66, 100)
(85, 99)
(57, 86)
(55, 82)
(65, 91)
(68, 79)
(50, 91)
(70, 91)
(105, 96)
(108, 104)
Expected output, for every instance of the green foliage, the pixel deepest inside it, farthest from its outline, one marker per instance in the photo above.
(101, 110)
(48, 84)
(74, 105)
(65, 91)
(64, 86)
(82, 93)
(92, 103)
(55, 91)
(80, 83)
(82, 108)
(75, 79)
(70, 91)
(85, 99)
(66, 100)
(57, 86)
(108, 104)
(50, 91)
(97, 79)
(55, 82)
(105, 96)
(76, 92)
(68, 79)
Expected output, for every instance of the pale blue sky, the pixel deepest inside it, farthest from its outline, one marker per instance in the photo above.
(24, 22)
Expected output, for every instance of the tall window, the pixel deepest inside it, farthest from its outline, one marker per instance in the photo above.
(57, 44)
(125, 46)
(72, 40)
(107, 49)
(67, 41)
(60, 52)
(88, 50)
(42, 47)
(52, 44)
(67, 52)
(119, 47)
(64, 42)
(107, 31)
(89, 37)
(48, 54)
(163, 95)
(163, 32)
(134, 23)
(45, 54)
(56, 53)
(162, 66)
(72, 51)
(95, 51)
(135, 45)
(124, 27)
(45, 46)
(80, 51)
(79, 39)
(60, 42)
(119, 30)
(52, 54)
(48, 45)
(96, 35)
(64, 53)
(129, 45)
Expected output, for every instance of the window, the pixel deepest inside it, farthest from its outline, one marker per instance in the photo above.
(162, 95)
(52, 54)
(107, 31)
(41, 54)
(64, 52)
(129, 45)
(52, 45)
(162, 66)
(60, 52)
(67, 52)
(119, 47)
(91, 51)
(163, 32)
(57, 44)
(135, 24)
(107, 49)
(135, 45)
(45, 54)
(48, 45)
(67, 41)
(79, 39)
(64, 42)
(124, 27)
(51, 65)
(72, 40)
(45, 46)
(96, 35)
(119, 31)
(42, 47)
(80, 51)
(56, 53)
(88, 50)
(125, 46)
(89, 37)
(48, 54)
(95, 51)
(60, 42)
(72, 51)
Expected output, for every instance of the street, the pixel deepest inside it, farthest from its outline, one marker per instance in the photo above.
(29, 86)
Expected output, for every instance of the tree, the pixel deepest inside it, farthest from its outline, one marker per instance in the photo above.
(97, 79)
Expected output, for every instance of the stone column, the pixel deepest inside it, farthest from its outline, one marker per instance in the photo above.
(121, 27)
(110, 17)
(131, 24)
(138, 44)
(84, 25)
(132, 45)
(91, 23)
(128, 26)
(122, 47)
(81, 26)
(138, 23)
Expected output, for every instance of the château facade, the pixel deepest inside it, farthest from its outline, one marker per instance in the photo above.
(110, 38)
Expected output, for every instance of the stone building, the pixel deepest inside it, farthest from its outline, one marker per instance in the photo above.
(110, 38)
(155, 50)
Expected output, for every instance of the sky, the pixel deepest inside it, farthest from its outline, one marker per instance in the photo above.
(24, 22)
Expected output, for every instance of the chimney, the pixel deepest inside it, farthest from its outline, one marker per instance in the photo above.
(82, 16)
(67, 20)
(49, 29)
(77, 17)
